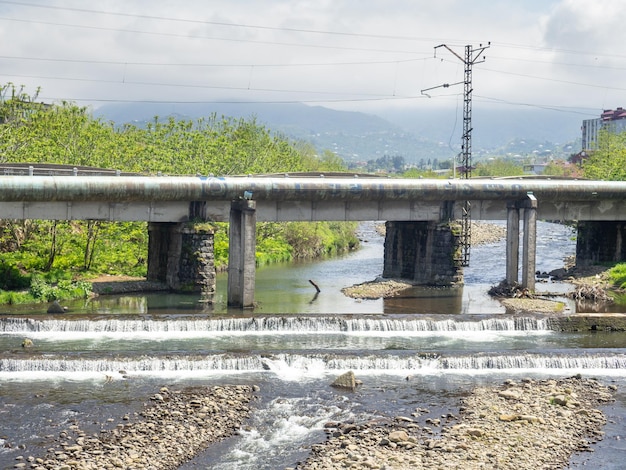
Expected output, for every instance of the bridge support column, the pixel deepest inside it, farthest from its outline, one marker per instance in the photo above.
(529, 258)
(242, 254)
(512, 243)
(181, 256)
(422, 252)
(529, 248)
(159, 236)
(600, 242)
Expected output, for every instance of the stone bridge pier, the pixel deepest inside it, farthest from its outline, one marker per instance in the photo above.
(600, 242)
(427, 252)
(423, 252)
(181, 255)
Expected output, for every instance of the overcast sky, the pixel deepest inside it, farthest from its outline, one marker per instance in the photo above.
(346, 54)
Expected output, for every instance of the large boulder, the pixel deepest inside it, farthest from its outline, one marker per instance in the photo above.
(346, 381)
(55, 307)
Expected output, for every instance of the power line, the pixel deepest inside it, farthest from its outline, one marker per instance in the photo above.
(595, 54)
(564, 64)
(223, 23)
(209, 38)
(225, 65)
(556, 80)
(309, 31)
(220, 101)
(557, 108)
(559, 50)
(219, 87)
(548, 79)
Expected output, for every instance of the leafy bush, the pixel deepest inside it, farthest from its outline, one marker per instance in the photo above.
(42, 291)
(617, 274)
(15, 298)
(271, 250)
(313, 239)
(11, 278)
(220, 246)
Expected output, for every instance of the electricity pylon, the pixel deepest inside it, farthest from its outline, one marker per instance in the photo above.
(472, 56)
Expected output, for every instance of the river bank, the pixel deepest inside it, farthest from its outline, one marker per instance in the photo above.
(521, 425)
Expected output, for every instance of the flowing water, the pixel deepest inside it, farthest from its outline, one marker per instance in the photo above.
(424, 350)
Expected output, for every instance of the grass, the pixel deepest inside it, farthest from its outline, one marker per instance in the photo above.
(42, 291)
(617, 275)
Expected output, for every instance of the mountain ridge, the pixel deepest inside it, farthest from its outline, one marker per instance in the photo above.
(415, 134)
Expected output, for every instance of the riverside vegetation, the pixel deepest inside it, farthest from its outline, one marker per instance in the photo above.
(54, 260)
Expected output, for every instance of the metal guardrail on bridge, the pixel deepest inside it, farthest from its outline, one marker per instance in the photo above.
(49, 169)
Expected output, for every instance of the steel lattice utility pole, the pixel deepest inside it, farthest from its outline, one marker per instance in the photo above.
(472, 56)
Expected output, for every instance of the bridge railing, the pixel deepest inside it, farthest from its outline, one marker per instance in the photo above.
(19, 169)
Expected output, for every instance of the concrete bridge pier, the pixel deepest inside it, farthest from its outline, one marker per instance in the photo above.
(512, 243)
(529, 248)
(242, 253)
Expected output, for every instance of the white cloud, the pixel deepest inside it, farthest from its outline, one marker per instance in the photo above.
(383, 51)
(581, 26)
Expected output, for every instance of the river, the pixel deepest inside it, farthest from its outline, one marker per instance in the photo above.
(104, 358)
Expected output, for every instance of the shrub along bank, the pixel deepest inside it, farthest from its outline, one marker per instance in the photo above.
(62, 253)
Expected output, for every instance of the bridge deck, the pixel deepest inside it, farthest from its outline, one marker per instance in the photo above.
(281, 198)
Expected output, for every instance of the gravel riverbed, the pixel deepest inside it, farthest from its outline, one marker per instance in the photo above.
(526, 424)
(171, 429)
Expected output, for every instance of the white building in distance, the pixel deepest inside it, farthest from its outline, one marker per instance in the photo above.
(613, 121)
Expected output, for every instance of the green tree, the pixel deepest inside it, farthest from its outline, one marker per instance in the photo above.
(608, 162)
(327, 161)
(417, 173)
(391, 164)
(562, 168)
(498, 167)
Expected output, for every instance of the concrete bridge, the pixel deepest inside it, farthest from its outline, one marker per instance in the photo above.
(420, 241)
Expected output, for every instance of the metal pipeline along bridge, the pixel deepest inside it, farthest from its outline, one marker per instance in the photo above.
(244, 200)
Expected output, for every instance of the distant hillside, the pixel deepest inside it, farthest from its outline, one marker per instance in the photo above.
(492, 127)
(416, 135)
(354, 136)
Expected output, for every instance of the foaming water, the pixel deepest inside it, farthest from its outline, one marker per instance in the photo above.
(274, 325)
(284, 422)
(296, 367)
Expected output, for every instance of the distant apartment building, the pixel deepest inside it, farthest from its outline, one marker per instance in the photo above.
(613, 121)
